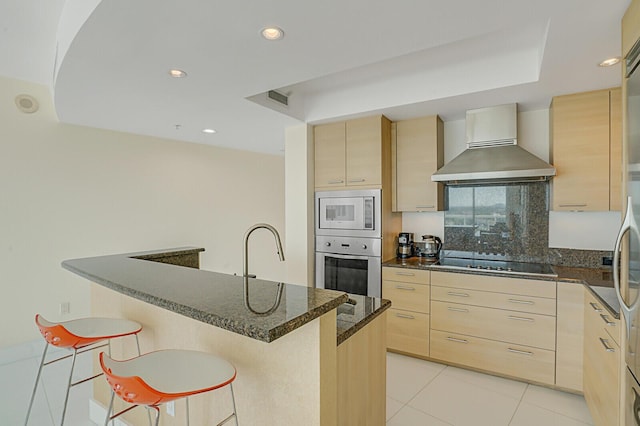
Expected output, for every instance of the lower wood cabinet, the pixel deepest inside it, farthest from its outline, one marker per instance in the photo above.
(601, 363)
(570, 336)
(408, 332)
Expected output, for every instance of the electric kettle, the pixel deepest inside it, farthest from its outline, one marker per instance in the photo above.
(430, 246)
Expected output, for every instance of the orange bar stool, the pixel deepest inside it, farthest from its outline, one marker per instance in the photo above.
(80, 336)
(164, 376)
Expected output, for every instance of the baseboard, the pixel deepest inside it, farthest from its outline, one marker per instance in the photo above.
(98, 412)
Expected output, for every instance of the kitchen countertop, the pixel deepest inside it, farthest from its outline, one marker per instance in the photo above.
(215, 298)
(358, 312)
(598, 280)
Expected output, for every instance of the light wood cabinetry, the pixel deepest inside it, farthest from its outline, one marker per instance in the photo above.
(586, 141)
(601, 364)
(503, 325)
(630, 27)
(570, 336)
(408, 318)
(418, 152)
(353, 154)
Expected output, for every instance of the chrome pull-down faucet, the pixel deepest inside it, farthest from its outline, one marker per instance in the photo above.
(245, 257)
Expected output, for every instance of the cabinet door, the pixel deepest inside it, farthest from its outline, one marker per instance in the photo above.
(570, 340)
(580, 151)
(419, 154)
(615, 151)
(364, 151)
(329, 141)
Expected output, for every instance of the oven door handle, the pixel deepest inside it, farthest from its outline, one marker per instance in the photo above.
(346, 256)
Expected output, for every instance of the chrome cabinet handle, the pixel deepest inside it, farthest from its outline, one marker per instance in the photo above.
(515, 318)
(356, 180)
(573, 205)
(453, 293)
(404, 287)
(519, 352)
(607, 346)
(453, 339)
(595, 307)
(457, 309)
(607, 321)
(628, 224)
(333, 181)
(522, 302)
(405, 316)
(425, 207)
(406, 274)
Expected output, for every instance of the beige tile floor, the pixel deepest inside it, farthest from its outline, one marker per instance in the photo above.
(419, 393)
(423, 393)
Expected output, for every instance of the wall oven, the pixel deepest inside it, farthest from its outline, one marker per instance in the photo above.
(348, 241)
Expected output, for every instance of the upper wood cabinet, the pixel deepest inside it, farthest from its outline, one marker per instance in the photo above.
(418, 152)
(586, 149)
(352, 153)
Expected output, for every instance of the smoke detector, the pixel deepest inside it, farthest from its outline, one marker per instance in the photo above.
(27, 104)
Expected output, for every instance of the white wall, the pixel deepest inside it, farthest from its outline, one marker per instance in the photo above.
(579, 230)
(69, 191)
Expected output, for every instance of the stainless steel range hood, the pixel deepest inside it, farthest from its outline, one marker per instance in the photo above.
(493, 154)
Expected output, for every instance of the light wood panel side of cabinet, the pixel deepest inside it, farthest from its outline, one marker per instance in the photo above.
(580, 151)
(570, 336)
(615, 149)
(364, 151)
(330, 151)
(419, 152)
(630, 27)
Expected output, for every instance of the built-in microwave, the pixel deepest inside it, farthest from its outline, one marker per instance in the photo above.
(354, 213)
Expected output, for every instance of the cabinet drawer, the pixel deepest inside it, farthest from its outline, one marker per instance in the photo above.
(407, 296)
(417, 276)
(496, 324)
(528, 363)
(408, 332)
(534, 305)
(520, 286)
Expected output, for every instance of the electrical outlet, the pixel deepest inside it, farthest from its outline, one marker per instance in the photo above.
(65, 308)
(171, 408)
(607, 261)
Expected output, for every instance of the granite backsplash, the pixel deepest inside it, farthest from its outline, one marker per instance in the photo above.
(506, 222)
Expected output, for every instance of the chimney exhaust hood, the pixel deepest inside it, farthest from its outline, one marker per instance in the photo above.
(493, 155)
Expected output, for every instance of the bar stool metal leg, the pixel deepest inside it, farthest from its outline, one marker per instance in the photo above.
(66, 398)
(35, 386)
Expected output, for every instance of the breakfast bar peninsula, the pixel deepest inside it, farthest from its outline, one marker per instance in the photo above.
(304, 356)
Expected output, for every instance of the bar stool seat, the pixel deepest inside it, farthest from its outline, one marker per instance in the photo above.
(79, 336)
(162, 376)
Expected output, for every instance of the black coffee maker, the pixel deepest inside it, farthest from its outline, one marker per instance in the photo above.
(405, 245)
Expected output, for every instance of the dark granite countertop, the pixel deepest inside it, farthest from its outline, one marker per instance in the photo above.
(210, 297)
(358, 312)
(598, 280)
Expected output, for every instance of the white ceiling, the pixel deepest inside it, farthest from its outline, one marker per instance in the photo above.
(404, 58)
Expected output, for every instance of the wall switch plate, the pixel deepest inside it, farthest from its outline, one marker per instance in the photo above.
(65, 308)
(607, 260)
(171, 408)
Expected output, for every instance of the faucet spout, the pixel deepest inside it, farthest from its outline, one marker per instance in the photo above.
(245, 257)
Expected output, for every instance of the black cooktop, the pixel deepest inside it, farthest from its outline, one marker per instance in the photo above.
(501, 266)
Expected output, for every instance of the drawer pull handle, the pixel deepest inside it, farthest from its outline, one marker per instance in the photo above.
(453, 293)
(595, 307)
(425, 207)
(607, 346)
(405, 316)
(519, 352)
(453, 339)
(406, 274)
(457, 309)
(334, 181)
(515, 318)
(404, 287)
(573, 205)
(356, 180)
(606, 320)
(522, 302)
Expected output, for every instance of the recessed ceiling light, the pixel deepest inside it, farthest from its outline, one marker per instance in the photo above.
(609, 62)
(272, 33)
(210, 131)
(176, 73)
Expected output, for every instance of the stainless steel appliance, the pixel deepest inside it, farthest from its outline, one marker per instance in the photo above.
(349, 264)
(355, 213)
(405, 245)
(430, 246)
(629, 283)
(348, 241)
